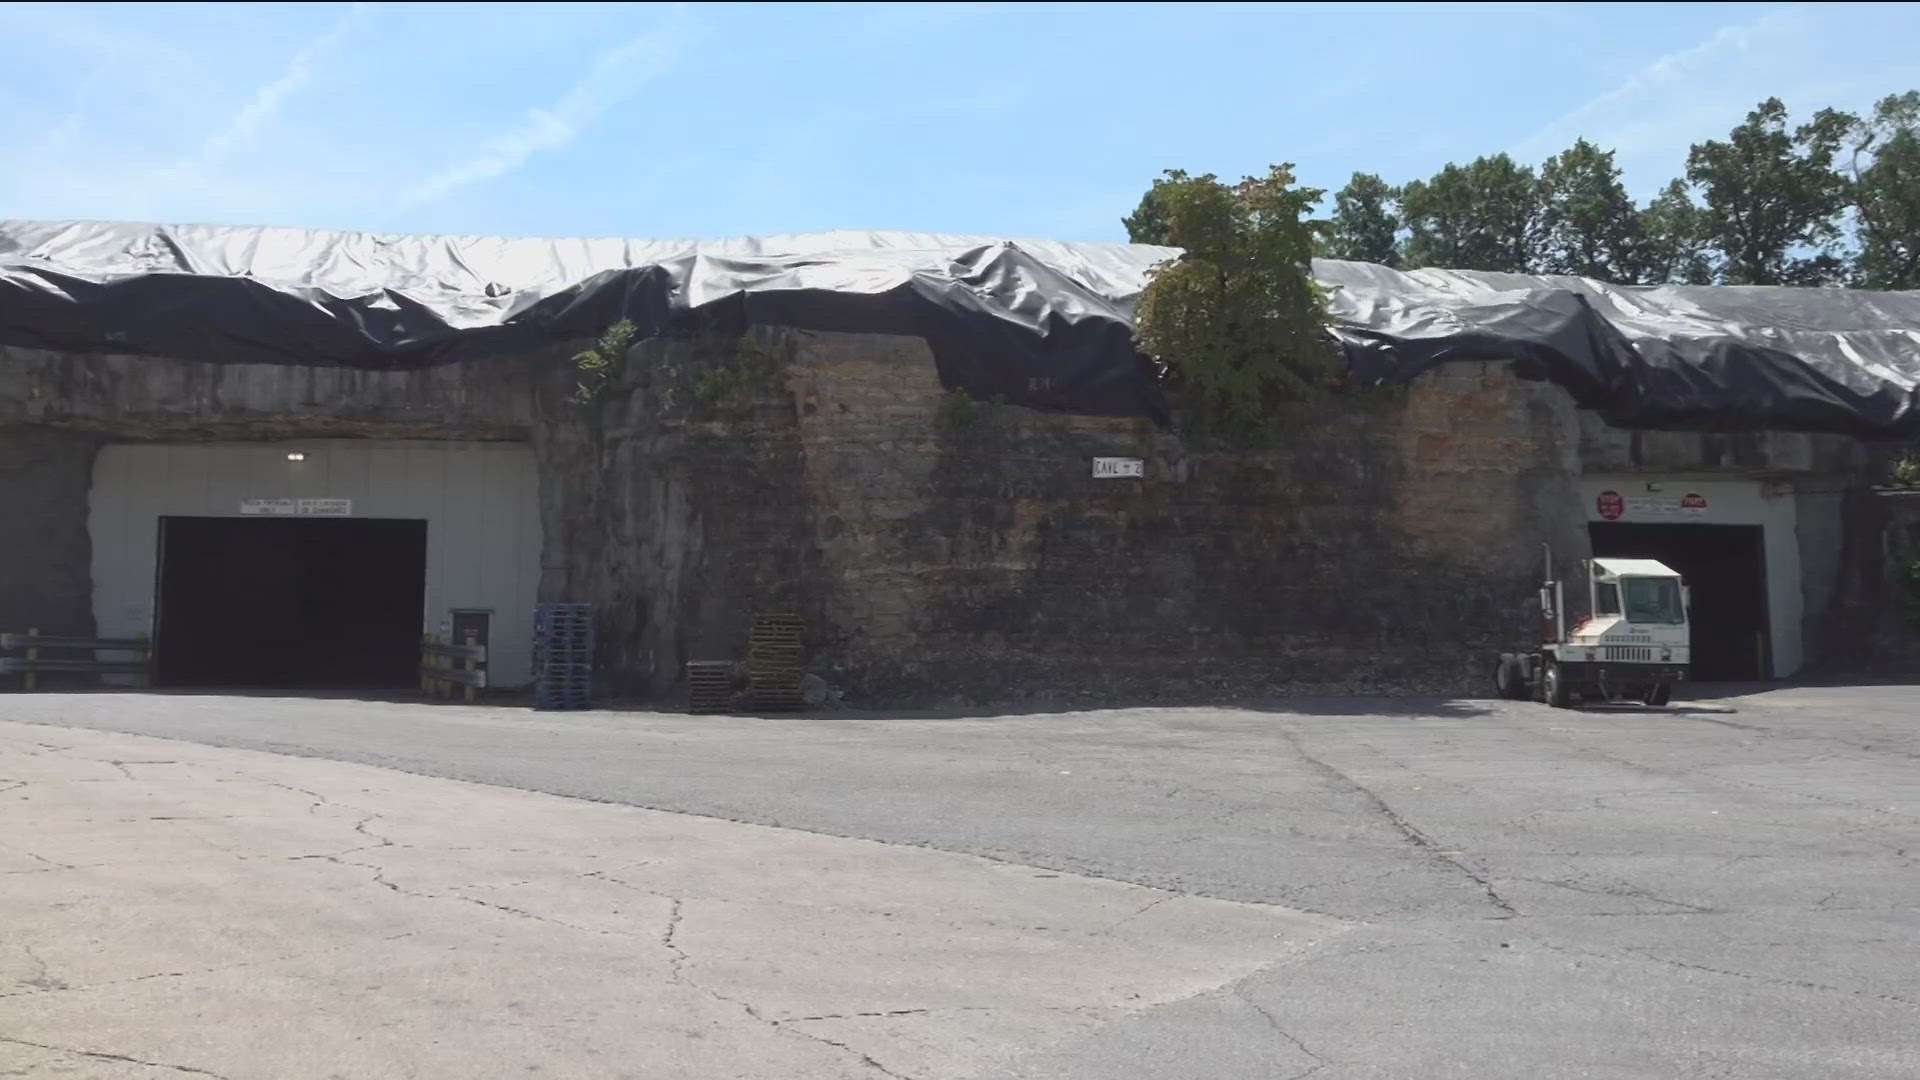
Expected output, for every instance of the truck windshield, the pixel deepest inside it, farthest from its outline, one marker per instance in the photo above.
(1652, 600)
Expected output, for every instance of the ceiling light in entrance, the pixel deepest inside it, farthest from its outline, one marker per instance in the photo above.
(296, 455)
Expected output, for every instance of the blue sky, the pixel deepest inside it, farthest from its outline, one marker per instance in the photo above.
(1011, 120)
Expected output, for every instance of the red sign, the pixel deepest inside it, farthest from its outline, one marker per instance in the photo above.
(1610, 505)
(1693, 501)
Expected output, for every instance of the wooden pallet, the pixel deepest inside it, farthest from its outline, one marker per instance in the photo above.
(776, 661)
(709, 686)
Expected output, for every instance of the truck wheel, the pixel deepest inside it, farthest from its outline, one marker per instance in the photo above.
(1508, 681)
(1660, 694)
(1553, 689)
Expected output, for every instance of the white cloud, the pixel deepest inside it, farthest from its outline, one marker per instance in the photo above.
(1680, 97)
(615, 75)
(266, 101)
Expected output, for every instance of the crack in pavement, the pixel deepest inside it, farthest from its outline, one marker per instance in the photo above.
(379, 873)
(1776, 733)
(1623, 891)
(1137, 914)
(1644, 954)
(380, 878)
(1274, 1022)
(676, 972)
(68, 988)
(42, 982)
(1405, 828)
(100, 1055)
(52, 864)
(1088, 1011)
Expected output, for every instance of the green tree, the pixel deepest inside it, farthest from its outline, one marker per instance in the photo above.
(1236, 322)
(1886, 193)
(1148, 222)
(1481, 216)
(1773, 199)
(1364, 226)
(1588, 226)
(1673, 244)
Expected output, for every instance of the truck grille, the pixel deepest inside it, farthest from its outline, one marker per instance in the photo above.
(1627, 652)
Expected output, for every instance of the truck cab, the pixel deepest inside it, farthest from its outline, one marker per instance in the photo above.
(1632, 647)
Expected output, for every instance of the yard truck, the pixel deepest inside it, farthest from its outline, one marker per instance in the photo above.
(1631, 648)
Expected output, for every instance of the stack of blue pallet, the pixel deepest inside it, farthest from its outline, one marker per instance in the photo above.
(563, 656)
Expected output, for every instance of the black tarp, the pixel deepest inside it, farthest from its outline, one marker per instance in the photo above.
(1688, 357)
(1042, 323)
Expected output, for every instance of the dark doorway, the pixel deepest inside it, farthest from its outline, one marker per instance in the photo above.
(277, 602)
(1725, 567)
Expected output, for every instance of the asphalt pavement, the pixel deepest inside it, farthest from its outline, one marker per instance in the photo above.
(1721, 889)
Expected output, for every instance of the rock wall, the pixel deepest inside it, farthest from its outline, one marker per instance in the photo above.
(140, 397)
(46, 574)
(947, 549)
(943, 549)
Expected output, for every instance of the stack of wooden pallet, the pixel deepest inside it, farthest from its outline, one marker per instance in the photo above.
(709, 685)
(563, 656)
(776, 661)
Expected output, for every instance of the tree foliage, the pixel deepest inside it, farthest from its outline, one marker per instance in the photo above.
(1365, 226)
(1481, 216)
(1236, 321)
(1835, 200)
(597, 364)
(1673, 248)
(1148, 222)
(1886, 193)
(1773, 198)
(1588, 225)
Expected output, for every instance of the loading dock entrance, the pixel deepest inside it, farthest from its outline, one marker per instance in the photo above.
(1725, 568)
(276, 602)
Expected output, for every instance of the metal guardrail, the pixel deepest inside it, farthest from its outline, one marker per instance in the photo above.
(32, 663)
(438, 675)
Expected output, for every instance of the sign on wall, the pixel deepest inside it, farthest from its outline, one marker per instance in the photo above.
(297, 507)
(1612, 506)
(1106, 467)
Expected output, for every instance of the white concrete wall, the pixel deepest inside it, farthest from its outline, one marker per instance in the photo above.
(1773, 507)
(480, 502)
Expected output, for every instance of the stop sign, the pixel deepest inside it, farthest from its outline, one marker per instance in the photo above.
(1610, 505)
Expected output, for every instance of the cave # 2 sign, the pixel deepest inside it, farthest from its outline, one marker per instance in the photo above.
(1106, 467)
(296, 507)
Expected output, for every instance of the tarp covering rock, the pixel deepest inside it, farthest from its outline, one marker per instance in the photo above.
(1046, 324)
(1039, 323)
(1690, 357)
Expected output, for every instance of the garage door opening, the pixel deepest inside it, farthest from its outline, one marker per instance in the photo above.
(1725, 567)
(264, 602)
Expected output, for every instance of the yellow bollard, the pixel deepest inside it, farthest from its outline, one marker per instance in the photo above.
(33, 677)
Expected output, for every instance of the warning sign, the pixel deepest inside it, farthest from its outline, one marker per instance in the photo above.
(1613, 506)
